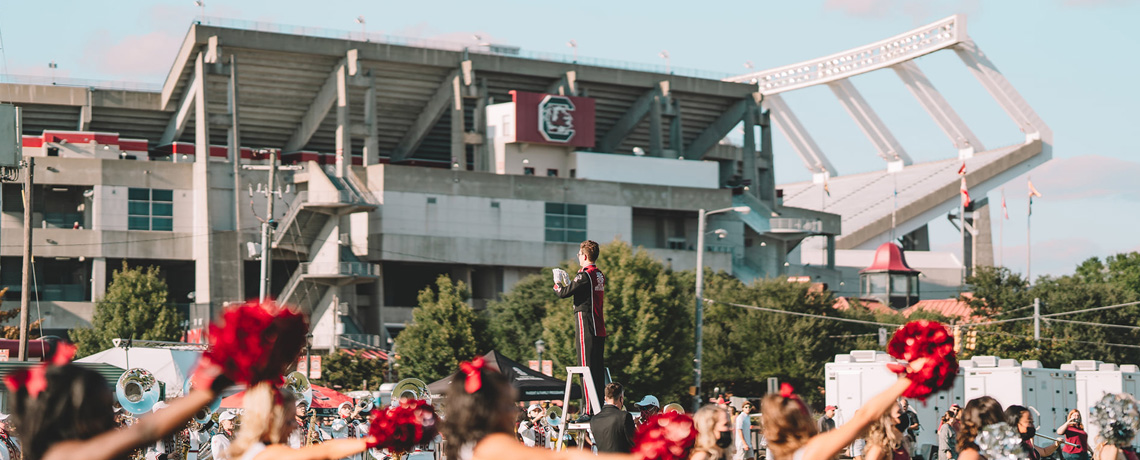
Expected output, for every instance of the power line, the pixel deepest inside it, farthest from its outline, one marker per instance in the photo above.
(1052, 339)
(988, 323)
(1053, 315)
(808, 315)
(1086, 323)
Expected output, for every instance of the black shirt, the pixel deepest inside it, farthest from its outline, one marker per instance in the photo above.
(613, 430)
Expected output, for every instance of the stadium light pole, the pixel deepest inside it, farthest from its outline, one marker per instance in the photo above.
(574, 44)
(665, 55)
(702, 216)
(363, 30)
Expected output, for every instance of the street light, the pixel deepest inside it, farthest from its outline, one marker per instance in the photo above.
(702, 215)
(540, 347)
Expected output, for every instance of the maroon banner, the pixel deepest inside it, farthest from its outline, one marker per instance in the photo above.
(553, 119)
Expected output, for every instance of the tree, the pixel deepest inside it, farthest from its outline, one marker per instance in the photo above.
(13, 332)
(346, 372)
(649, 324)
(515, 321)
(443, 332)
(135, 306)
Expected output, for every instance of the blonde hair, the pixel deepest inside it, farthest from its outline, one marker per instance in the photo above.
(787, 424)
(884, 433)
(266, 411)
(705, 421)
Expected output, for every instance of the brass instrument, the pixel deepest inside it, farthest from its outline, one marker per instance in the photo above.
(674, 407)
(137, 391)
(313, 434)
(411, 389)
(299, 385)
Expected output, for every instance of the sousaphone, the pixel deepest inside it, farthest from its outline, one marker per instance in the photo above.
(299, 385)
(411, 389)
(137, 391)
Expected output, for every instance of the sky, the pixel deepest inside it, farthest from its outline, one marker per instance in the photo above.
(1070, 59)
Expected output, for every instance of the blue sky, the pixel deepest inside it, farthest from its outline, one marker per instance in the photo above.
(1071, 59)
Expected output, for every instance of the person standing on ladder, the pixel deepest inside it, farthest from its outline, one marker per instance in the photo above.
(589, 291)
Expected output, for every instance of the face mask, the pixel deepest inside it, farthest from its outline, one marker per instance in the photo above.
(724, 440)
(1029, 433)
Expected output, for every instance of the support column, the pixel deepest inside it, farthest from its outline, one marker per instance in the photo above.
(343, 136)
(982, 242)
(767, 186)
(676, 130)
(234, 141)
(748, 152)
(458, 141)
(483, 148)
(656, 137)
(831, 252)
(873, 127)
(801, 141)
(203, 224)
(939, 109)
(372, 141)
(98, 278)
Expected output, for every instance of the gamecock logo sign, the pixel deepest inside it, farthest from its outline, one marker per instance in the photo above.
(556, 118)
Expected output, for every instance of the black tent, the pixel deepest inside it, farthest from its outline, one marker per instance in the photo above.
(531, 385)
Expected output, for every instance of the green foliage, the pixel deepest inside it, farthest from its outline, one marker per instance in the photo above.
(442, 333)
(1002, 295)
(13, 332)
(345, 372)
(649, 323)
(515, 321)
(135, 306)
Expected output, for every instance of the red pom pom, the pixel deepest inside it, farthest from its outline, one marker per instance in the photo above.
(930, 340)
(665, 436)
(256, 342)
(402, 428)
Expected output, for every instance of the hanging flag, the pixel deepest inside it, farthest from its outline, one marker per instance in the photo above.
(965, 194)
(1032, 193)
(962, 170)
(1004, 210)
(826, 189)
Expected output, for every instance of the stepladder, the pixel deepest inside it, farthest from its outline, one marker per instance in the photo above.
(565, 426)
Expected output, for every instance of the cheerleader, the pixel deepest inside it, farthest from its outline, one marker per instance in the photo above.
(885, 440)
(978, 413)
(65, 411)
(1118, 416)
(267, 425)
(792, 433)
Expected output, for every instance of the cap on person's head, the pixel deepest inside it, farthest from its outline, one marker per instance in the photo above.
(301, 402)
(3, 417)
(533, 407)
(227, 415)
(344, 405)
(648, 401)
(829, 408)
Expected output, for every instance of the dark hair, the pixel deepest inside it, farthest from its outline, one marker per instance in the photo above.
(614, 391)
(977, 414)
(76, 405)
(1013, 415)
(590, 249)
(473, 416)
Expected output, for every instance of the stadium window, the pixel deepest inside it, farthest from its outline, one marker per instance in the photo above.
(150, 209)
(528, 171)
(551, 173)
(565, 222)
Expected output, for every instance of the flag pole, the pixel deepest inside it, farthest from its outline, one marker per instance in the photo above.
(1028, 239)
(962, 227)
(1001, 230)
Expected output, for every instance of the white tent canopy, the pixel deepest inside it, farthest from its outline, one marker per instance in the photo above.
(170, 366)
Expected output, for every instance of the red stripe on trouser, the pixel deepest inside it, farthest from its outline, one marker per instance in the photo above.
(582, 356)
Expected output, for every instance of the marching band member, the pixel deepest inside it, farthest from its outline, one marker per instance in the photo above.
(266, 425)
(220, 443)
(347, 427)
(10, 450)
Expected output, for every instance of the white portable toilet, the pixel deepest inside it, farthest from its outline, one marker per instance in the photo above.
(1049, 393)
(1094, 379)
(856, 377)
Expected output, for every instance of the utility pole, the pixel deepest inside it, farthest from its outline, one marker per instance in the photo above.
(25, 286)
(267, 228)
(1037, 319)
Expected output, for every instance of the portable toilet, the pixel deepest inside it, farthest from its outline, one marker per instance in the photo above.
(1094, 379)
(1048, 393)
(856, 377)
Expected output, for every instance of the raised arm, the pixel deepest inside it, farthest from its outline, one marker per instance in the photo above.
(117, 443)
(825, 446)
(328, 450)
(503, 447)
(581, 280)
(1064, 427)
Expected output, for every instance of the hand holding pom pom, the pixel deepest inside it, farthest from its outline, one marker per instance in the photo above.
(402, 428)
(255, 342)
(665, 436)
(930, 349)
(1000, 441)
(1118, 417)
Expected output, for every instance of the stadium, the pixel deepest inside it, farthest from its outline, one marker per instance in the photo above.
(401, 161)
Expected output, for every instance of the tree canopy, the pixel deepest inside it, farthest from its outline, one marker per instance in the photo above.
(443, 332)
(136, 306)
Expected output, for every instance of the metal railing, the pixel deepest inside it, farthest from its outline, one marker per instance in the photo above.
(338, 269)
(359, 340)
(475, 48)
(80, 82)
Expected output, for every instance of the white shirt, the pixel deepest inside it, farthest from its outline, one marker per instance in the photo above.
(219, 445)
(744, 424)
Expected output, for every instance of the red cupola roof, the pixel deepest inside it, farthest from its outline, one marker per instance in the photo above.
(889, 258)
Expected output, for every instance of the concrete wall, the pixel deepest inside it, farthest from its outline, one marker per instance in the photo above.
(646, 170)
